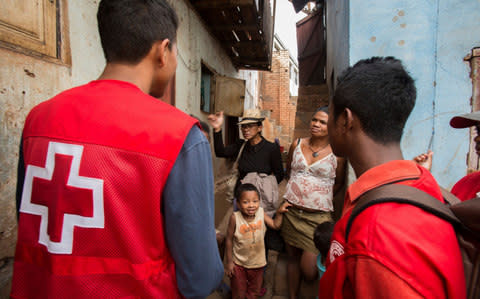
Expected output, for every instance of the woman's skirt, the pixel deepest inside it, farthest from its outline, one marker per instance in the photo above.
(299, 226)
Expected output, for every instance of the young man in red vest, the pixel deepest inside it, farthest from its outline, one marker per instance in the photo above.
(393, 250)
(115, 188)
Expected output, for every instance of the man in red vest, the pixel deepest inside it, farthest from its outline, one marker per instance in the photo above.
(393, 250)
(115, 188)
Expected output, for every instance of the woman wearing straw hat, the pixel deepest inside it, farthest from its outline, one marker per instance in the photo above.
(258, 155)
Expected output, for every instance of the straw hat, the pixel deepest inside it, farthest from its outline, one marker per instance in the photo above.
(251, 116)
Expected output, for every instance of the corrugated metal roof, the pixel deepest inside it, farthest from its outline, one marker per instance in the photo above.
(243, 27)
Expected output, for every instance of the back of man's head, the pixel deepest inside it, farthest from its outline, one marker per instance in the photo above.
(381, 93)
(128, 28)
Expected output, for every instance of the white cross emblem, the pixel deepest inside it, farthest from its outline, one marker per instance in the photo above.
(74, 180)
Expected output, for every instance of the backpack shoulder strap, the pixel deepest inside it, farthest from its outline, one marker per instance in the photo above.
(449, 197)
(402, 194)
(467, 211)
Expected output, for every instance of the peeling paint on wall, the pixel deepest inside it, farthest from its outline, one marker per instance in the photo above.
(24, 82)
(431, 38)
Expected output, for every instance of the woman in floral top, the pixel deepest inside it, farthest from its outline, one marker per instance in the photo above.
(315, 174)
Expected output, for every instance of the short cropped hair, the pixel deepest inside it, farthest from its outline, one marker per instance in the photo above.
(245, 187)
(129, 28)
(323, 109)
(322, 236)
(381, 93)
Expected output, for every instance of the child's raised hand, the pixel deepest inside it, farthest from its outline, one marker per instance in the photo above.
(284, 207)
(229, 269)
(424, 160)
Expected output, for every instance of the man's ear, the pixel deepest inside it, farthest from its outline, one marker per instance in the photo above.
(348, 118)
(345, 120)
(161, 49)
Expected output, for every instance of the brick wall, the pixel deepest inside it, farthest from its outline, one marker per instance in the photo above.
(275, 98)
(309, 99)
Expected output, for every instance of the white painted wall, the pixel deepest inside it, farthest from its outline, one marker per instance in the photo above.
(196, 46)
(87, 54)
(293, 72)
(19, 92)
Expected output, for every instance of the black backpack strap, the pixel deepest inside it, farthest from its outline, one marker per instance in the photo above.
(449, 197)
(469, 212)
(402, 194)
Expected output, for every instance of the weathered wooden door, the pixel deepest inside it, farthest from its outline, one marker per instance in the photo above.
(32, 27)
(473, 161)
(229, 95)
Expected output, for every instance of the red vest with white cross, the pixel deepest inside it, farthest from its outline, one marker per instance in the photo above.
(97, 158)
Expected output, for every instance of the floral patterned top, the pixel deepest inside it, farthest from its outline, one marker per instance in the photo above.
(311, 186)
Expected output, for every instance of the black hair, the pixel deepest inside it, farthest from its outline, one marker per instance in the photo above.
(245, 187)
(323, 109)
(321, 237)
(129, 28)
(381, 93)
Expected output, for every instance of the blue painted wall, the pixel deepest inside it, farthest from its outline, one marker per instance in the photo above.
(431, 38)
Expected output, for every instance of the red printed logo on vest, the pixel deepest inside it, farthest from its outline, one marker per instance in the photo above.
(62, 198)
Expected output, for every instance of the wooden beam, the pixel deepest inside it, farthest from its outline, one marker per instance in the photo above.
(245, 44)
(219, 4)
(231, 27)
(250, 60)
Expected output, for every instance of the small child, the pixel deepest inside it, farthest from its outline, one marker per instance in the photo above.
(244, 244)
(321, 238)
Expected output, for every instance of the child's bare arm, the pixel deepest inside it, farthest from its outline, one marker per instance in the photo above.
(229, 246)
(277, 222)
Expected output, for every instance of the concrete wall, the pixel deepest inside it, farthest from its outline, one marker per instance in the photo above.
(196, 46)
(26, 81)
(431, 37)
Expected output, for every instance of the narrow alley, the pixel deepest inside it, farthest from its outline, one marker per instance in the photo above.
(268, 82)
